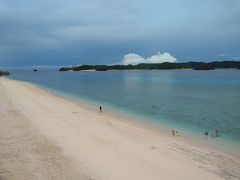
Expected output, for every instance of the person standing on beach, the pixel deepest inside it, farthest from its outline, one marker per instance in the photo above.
(100, 108)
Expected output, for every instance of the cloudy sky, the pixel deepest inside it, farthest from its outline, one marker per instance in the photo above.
(60, 32)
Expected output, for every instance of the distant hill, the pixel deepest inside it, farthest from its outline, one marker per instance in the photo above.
(166, 65)
(4, 73)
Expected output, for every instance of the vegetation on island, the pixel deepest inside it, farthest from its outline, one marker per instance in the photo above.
(165, 65)
(4, 73)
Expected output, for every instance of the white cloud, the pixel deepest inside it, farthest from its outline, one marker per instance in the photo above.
(134, 59)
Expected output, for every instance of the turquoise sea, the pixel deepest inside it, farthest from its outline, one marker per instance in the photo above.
(192, 100)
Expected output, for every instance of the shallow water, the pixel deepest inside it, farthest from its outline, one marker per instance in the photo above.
(194, 100)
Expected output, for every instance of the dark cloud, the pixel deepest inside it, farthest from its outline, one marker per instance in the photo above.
(52, 32)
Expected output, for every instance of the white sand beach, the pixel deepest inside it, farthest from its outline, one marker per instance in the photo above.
(44, 136)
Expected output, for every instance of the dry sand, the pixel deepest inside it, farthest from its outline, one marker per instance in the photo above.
(44, 136)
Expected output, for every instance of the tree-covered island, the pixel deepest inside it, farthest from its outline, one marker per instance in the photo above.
(4, 73)
(160, 66)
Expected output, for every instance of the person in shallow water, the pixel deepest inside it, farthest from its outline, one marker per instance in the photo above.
(100, 108)
(206, 133)
(175, 133)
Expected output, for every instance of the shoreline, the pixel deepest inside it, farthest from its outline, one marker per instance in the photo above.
(130, 144)
(227, 145)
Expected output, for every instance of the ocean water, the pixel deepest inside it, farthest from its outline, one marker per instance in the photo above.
(191, 100)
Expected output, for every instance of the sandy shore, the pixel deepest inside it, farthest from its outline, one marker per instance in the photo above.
(43, 136)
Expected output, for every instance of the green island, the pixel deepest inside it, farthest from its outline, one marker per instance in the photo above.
(160, 66)
(4, 73)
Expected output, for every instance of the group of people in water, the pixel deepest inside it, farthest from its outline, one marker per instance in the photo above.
(216, 134)
(176, 133)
